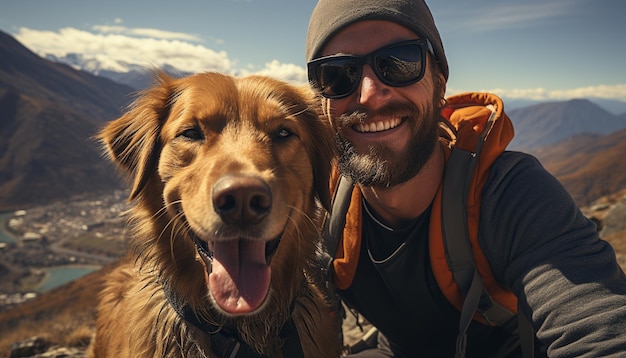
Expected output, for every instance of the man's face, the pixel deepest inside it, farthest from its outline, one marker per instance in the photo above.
(385, 134)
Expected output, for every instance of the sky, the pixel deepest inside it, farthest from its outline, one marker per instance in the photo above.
(523, 49)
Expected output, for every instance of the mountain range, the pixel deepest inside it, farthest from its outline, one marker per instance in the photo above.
(50, 111)
(133, 75)
(589, 165)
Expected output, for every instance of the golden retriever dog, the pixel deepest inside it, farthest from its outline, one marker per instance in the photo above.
(228, 178)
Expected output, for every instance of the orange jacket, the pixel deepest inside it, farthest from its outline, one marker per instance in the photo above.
(468, 118)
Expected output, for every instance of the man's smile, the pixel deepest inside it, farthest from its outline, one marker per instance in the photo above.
(377, 126)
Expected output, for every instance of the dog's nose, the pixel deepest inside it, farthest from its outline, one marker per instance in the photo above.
(241, 200)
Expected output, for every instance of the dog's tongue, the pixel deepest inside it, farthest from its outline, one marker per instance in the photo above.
(240, 277)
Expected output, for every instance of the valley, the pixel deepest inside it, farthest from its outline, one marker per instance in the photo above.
(69, 238)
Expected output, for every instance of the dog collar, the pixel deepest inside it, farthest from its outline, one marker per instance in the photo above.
(226, 342)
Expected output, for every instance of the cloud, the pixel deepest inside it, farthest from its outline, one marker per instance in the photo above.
(498, 16)
(116, 46)
(611, 92)
(146, 32)
(617, 92)
(283, 71)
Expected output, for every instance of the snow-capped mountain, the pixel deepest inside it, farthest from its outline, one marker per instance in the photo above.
(133, 75)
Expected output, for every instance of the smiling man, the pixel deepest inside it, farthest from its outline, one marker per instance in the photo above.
(380, 70)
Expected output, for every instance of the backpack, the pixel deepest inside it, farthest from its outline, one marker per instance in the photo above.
(461, 269)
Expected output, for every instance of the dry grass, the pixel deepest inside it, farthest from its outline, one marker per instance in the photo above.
(67, 329)
(64, 316)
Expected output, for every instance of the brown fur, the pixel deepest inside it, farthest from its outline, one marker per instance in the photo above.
(175, 143)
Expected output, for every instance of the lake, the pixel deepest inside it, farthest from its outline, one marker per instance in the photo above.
(58, 276)
(55, 276)
(5, 236)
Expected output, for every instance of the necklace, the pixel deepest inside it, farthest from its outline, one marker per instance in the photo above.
(367, 210)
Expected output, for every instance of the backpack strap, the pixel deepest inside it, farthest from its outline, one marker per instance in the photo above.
(334, 224)
(456, 182)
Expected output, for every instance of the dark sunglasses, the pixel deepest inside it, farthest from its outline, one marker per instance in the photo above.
(399, 64)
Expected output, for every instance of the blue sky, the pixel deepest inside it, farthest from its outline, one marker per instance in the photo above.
(551, 49)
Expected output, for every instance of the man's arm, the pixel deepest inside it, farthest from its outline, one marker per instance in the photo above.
(542, 247)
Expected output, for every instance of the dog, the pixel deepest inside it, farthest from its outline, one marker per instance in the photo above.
(229, 177)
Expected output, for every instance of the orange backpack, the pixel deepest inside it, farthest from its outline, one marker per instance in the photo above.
(476, 131)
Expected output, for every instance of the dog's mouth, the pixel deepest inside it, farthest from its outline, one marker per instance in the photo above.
(238, 272)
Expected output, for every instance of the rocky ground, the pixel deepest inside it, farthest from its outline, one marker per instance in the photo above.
(37, 347)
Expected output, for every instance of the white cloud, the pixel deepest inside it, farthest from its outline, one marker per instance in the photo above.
(147, 32)
(617, 92)
(612, 92)
(115, 46)
(283, 71)
(115, 49)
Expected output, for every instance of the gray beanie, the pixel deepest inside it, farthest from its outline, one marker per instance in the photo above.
(331, 16)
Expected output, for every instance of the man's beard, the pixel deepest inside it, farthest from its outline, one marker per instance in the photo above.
(381, 167)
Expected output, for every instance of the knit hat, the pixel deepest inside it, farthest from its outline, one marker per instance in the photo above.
(331, 16)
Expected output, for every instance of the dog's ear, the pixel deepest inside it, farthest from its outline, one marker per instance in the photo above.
(323, 154)
(132, 141)
(321, 148)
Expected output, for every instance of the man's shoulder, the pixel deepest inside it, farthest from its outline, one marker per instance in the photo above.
(516, 182)
(513, 158)
(513, 163)
(516, 174)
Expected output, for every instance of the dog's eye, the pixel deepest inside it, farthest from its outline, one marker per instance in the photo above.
(192, 134)
(283, 133)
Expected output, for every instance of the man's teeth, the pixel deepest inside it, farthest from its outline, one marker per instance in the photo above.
(378, 126)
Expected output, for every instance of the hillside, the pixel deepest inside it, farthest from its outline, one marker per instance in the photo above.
(64, 316)
(48, 114)
(589, 166)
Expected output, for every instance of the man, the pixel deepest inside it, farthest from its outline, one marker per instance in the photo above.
(381, 72)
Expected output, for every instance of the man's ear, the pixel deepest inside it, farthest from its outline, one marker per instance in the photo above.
(442, 84)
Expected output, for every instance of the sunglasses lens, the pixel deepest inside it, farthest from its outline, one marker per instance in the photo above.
(399, 66)
(336, 78)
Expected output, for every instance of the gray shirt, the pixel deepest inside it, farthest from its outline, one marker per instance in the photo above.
(542, 247)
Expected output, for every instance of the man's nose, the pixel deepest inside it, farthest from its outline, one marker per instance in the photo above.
(372, 92)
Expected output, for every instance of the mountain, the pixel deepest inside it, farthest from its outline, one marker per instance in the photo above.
(549, 123)
(588, 165)
(49, 113)
(132, 75)
(613, 106)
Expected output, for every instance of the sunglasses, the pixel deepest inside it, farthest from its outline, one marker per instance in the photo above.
(399, 64)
